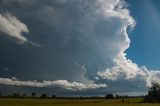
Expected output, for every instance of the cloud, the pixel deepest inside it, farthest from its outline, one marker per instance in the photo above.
(125, 69)
(85, 42)
(13, 28)
(64, 84)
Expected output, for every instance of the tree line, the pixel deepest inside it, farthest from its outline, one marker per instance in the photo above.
(24, 95)
(45, 96)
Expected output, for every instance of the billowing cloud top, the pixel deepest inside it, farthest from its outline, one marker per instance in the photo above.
(84, 45)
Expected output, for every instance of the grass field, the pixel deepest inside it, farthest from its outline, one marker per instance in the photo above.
(73, 102)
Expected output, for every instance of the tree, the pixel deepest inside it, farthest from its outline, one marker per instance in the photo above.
(117, 96)
(153, 93)
(53, 96)
(0, 94)
(44, 96)
(16, 95)
(33, 94)
(24, 95)
(126, 96)
(109, 96)
(155, 88)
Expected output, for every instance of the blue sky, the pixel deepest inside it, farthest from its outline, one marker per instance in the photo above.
(79, 46)
(145, 37)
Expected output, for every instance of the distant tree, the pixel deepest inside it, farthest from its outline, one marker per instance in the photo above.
(153, 93)
(155, 89)
(0, 94)
(126, 96)
(9, 96)
(53, 96)
(24, 95)
(33, 95)
(109, 96)
(117, 96)
(44, 96)
(16, 95)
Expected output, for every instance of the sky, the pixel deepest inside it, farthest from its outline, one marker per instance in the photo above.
(144, 42)
(81, 47)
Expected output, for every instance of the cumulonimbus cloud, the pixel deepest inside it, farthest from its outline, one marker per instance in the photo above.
(93, 32)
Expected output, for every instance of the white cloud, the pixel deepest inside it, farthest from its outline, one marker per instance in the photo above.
(13, 28)
(98, 28)
(123, 68)
(64, 84)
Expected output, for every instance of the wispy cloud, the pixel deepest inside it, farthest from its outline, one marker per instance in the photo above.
(13, 28)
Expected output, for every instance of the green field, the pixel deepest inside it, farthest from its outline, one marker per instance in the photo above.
(73, 102)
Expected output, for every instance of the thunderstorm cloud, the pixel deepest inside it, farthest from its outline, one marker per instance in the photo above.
(84, 45)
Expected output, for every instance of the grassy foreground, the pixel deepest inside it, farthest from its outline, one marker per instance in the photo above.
(73, 102)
